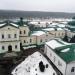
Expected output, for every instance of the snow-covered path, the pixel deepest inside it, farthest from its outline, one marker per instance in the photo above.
(30, 66)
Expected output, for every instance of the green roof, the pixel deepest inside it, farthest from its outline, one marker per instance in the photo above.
(72, 23)
(67, 56)
(72, 29)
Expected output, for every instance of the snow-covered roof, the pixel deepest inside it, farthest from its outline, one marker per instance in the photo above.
(64, 42)
(38, 33)
(2, 24)
(66, 29)
(54, 24)
(59, 29)
(29, 47)
(33, 22)
(61, 25)
(25, 25)
(52, 29)
(49, 29)
(54, 44)
(65, 50)
(5, 24)
(14, 24)
(30, 66)
(70, 26)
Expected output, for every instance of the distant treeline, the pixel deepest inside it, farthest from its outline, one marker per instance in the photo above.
(33, 14)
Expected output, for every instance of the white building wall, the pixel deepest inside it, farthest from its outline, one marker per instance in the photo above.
(6, 41)
(40, 39)
(27, 40)
(60, 34)
(12, 31)
(70, 34)
(55, 34)
(22, 29)
(55, 59)
(49, 36)
(6, 44)
(33, 40)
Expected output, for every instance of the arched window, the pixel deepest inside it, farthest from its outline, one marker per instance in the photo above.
(41, 40)
(73, 68)
(15, 46)
(24, 31)
(2, 36)
(30, 40)
(24, 41)
(9, 36)
(20, 32)
(53, 73)
(9, 48)
(3, 47)
(15, 35)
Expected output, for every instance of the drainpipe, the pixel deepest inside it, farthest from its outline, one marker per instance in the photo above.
(66, 69)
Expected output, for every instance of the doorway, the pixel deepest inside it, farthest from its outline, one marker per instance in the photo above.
(9, 48)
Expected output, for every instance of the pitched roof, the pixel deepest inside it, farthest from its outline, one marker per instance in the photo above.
(54, 44)
(48, 29)
(38, 33)
(30, 66)
(65, 51)
(52, 29)
(8, 24)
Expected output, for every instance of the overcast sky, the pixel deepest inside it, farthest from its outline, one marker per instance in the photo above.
(39, 5)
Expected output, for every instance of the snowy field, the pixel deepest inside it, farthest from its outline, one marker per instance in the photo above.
(30, 66)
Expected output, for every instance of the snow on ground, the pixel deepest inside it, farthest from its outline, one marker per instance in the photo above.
(30, 66)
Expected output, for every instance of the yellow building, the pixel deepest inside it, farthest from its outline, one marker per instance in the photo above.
(52, 33)
(9, 37)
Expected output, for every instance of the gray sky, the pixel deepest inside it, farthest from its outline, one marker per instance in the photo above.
(39, 5)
